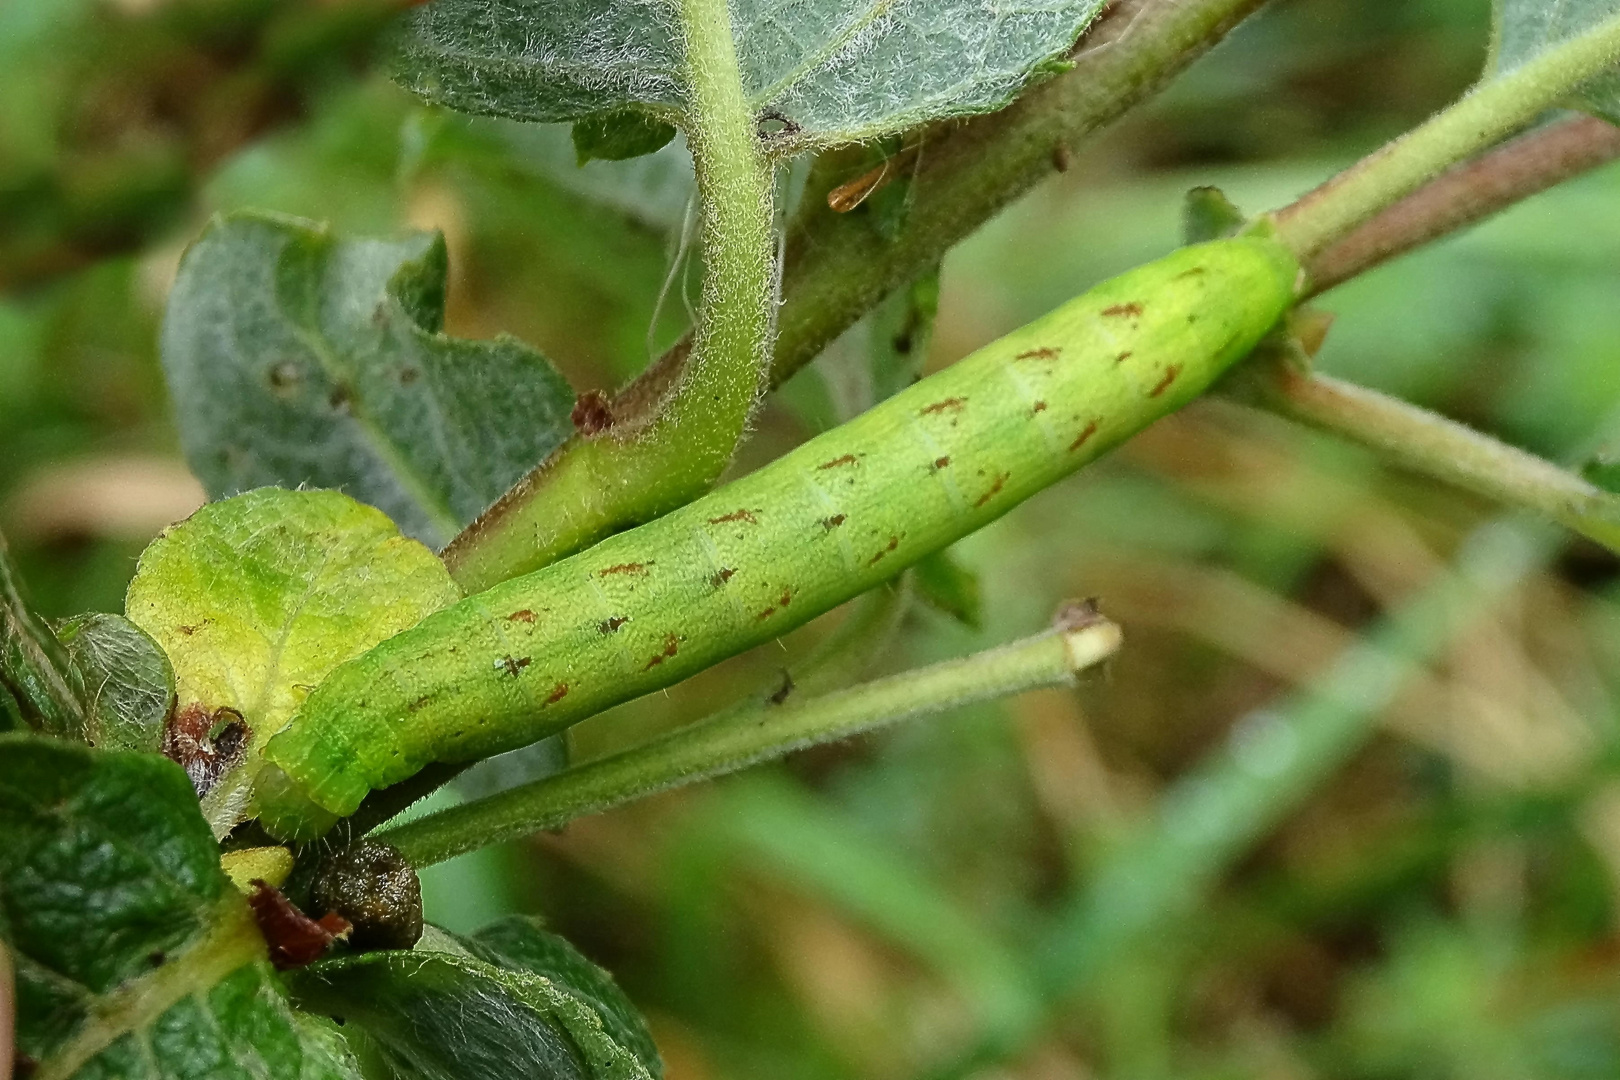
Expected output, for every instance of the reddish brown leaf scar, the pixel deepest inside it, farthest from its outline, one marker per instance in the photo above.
(1170, 374)
(1080, 440)
(831, 523)
(1124, 356)
(525, 615)
(941, 463)
(721, 576)
(1131, 310)
(1045, 352)
(952, 404)
(611, 626)
(995, 488)
(736, 515)
(1038, 407)
(558, 692)
(847, 459)
(626, 568)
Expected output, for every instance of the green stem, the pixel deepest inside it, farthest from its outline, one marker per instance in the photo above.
(1467, 194)
(666, 439)
(1493, 110)
(1434, 446)
(752, 733)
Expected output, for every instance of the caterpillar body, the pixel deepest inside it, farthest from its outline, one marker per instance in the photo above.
(751, 560)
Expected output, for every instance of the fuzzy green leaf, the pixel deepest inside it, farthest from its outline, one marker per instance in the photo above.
(946, 585)
(256, 598)
(296, 358)
(618, 136)
(1526, 28)
(40, 687)
(128, 683)
(135, 958)
(444, 1016)
(827, 71)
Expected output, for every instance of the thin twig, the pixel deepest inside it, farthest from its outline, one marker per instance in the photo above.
(1468, 194)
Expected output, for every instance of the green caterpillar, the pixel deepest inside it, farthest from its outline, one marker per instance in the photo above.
(749, 561)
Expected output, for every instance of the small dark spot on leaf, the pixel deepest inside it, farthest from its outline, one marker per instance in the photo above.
(611, 625)
(953, 404)
(285, 377)
(341, 398)
(156, 957)
(1060, 157)
(408, 375)
(1131, 310)
(1080, 439)
(592, 413)
(1170, 374)
(847, 459)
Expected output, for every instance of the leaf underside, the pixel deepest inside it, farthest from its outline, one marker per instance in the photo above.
(1526, 28)
(829, 71)
(295, 358)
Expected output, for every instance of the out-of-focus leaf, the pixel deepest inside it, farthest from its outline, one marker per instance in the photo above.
(617, 136)
(44, 688)
(520, 944)
(827, 72)
(255, 599)
(135, 958)
(442, 1015)
(945, 584)
(1525, 28)
(1603, 471)
(128, 683)
(297, 358)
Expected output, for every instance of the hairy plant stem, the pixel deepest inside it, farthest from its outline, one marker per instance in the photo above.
(668, 437)
(1468, 194)
(1430, 444)
(1493, 110)
(752, 733)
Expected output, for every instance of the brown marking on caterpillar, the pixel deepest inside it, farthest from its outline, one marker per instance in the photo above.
(294, 938)
(1060, 157)
(786, 598)
(1124, 356)
(767, 613)
(611, 625)
(831, 523)
(721, 576)
(1038, 407)
(784, 690)
(1170, 374)
(626, 568)
(736, 515)
(894, 542)
(513, 666)
(1080, 439)
(941, 463)
(672, 645)
(847, 459)
(995, 488)
(419, 703)
(1045, 352)
(1130, 310)
(951, 404)
(525, 616)
(593, 414)
(1194, 272)
(558, 692)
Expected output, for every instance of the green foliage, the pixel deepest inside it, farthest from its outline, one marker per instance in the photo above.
(296, 358)
(42, 685)
(619, 135)
(128, 681)
(1526, 28)
(824, 73)
(257, 598)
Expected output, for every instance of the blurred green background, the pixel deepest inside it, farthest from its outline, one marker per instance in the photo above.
(1440, 905)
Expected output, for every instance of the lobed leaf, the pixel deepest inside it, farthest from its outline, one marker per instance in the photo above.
(256, 598)
(296, 358)
(826, 71)
(1526, 28)
(135, 958)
